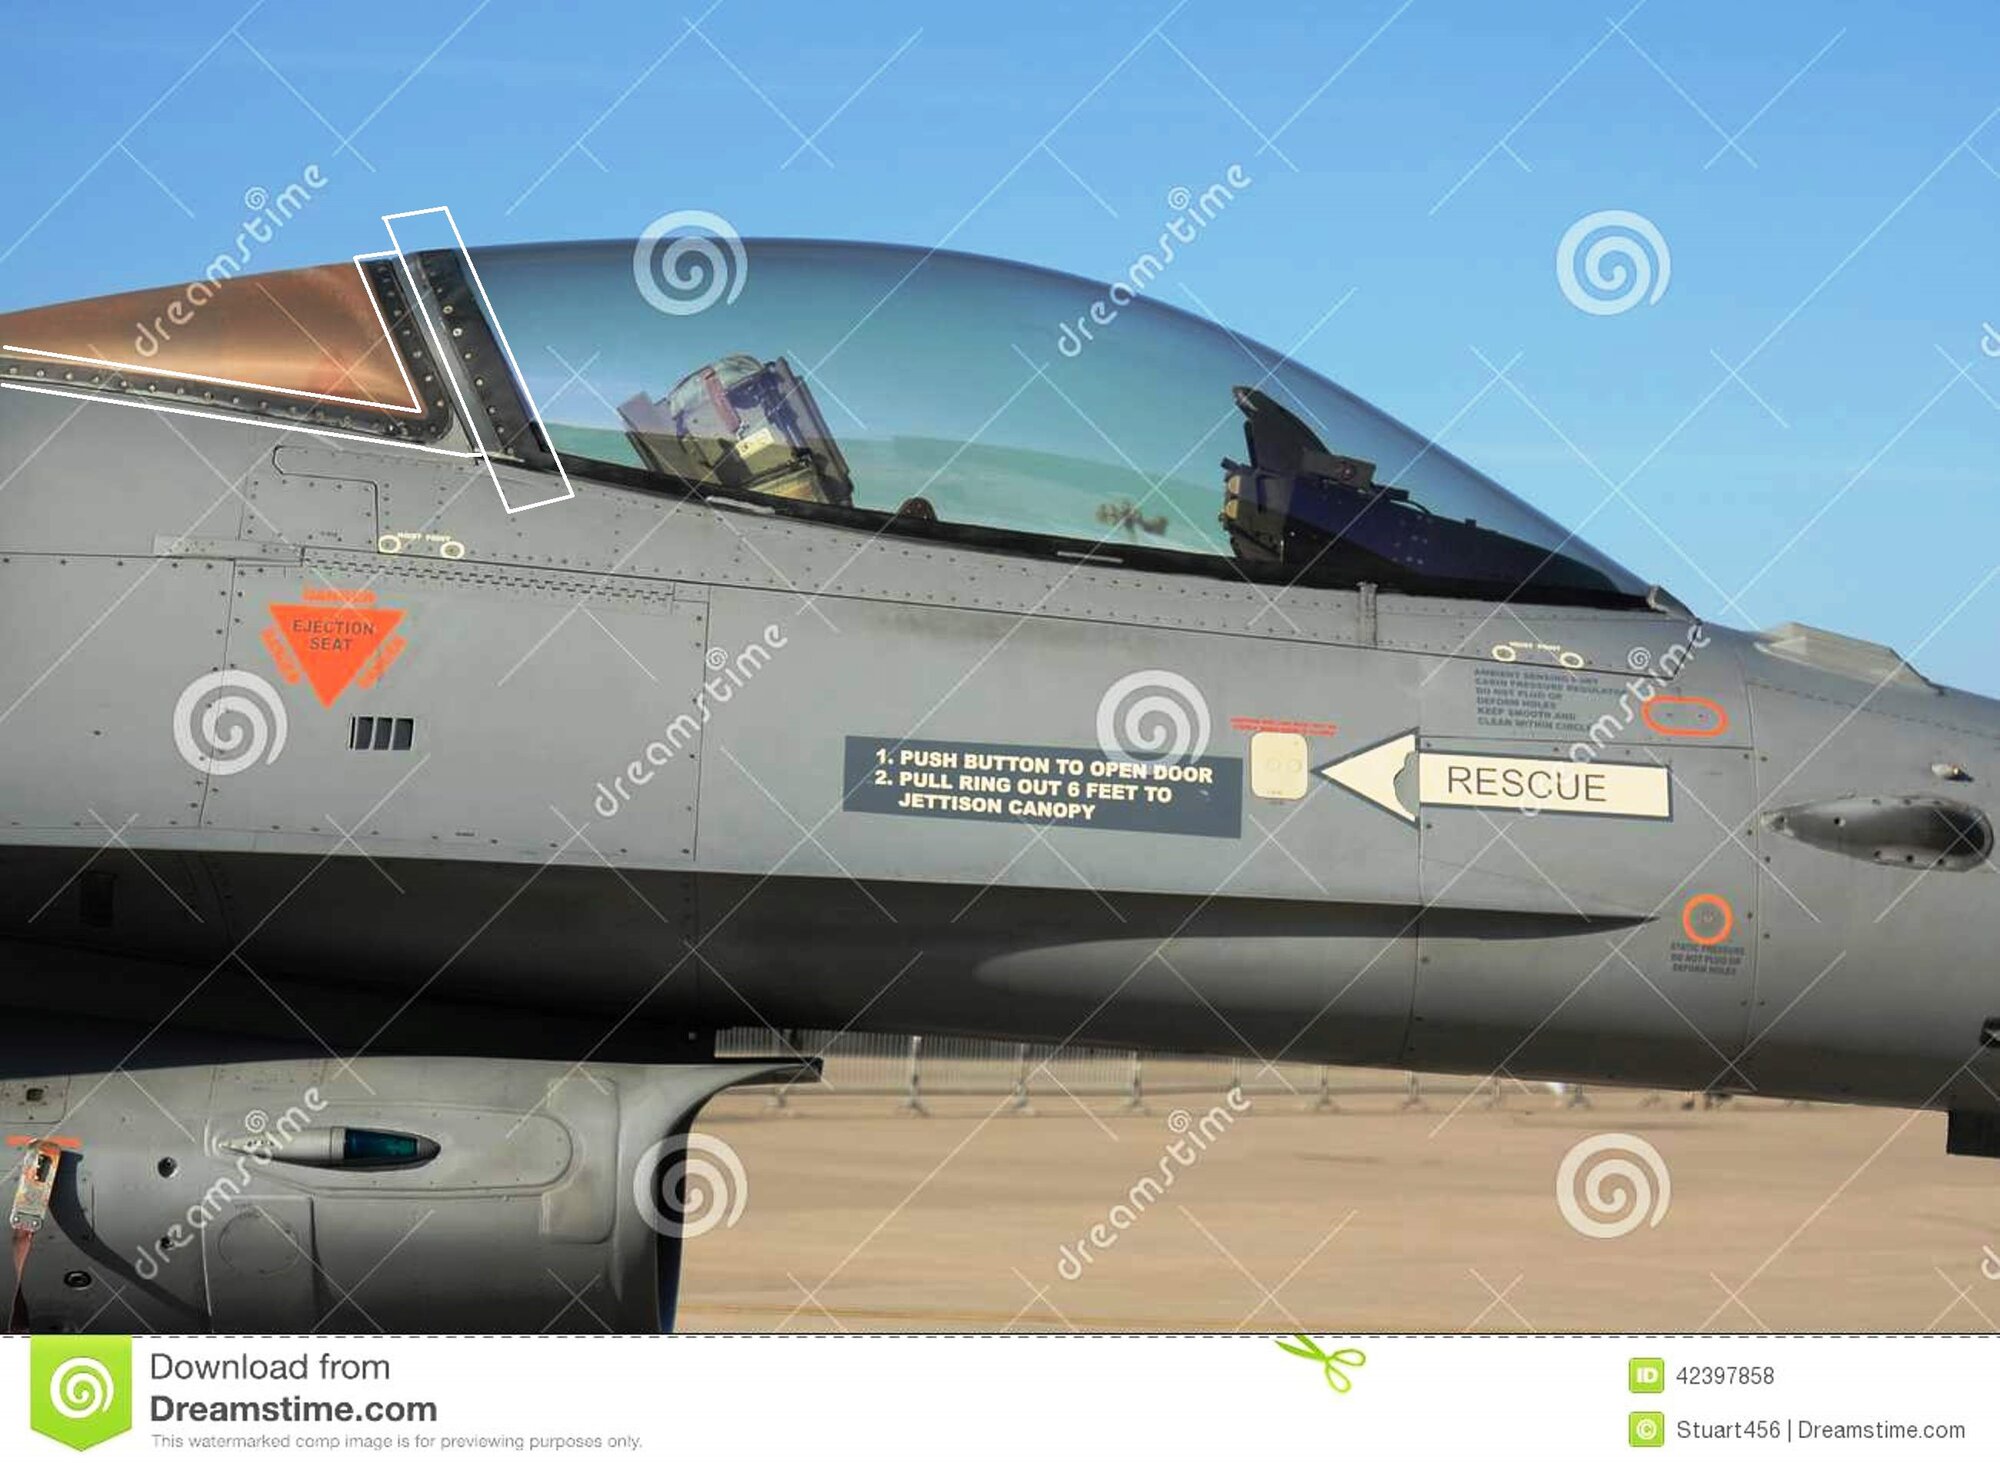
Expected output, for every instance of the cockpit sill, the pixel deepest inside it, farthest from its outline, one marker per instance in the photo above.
(300, 417)
(1110, 553)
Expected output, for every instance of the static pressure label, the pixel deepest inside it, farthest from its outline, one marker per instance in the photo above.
(1067, 787)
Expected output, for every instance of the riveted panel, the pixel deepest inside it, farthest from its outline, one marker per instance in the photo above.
(92, 721)
(524, 692)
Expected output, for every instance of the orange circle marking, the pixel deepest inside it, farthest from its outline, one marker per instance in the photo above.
(1654, 713)
(1708, 937)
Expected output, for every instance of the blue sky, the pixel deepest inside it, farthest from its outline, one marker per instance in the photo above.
(1802, 425)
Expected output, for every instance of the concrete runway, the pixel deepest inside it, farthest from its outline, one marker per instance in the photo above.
(1374, 1218)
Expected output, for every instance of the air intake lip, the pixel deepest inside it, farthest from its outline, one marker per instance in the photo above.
(1903, 832)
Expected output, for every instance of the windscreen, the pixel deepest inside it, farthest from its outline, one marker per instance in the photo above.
(966, 391)
(313, 334)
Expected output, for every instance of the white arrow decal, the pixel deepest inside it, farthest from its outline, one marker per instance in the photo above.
(1465, 779)
(1371, 773)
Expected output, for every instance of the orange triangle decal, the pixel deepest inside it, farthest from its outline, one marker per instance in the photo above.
(329, 638)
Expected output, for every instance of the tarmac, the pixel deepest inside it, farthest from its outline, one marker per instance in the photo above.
(1374, 1217)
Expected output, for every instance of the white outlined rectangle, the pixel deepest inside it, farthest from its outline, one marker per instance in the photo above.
(435, 333)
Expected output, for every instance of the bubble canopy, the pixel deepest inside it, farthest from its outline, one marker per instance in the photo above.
(954, 394)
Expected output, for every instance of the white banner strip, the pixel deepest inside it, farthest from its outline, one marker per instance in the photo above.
(1005, 1401)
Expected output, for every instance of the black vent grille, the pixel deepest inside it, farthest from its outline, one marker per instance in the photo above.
(381, 733)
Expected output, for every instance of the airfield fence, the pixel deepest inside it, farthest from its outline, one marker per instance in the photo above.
(912, 1070)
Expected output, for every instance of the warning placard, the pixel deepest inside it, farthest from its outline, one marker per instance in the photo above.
(1068, 787)
(333, 638)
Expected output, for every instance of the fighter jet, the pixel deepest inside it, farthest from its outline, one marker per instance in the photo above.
(443, 689)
